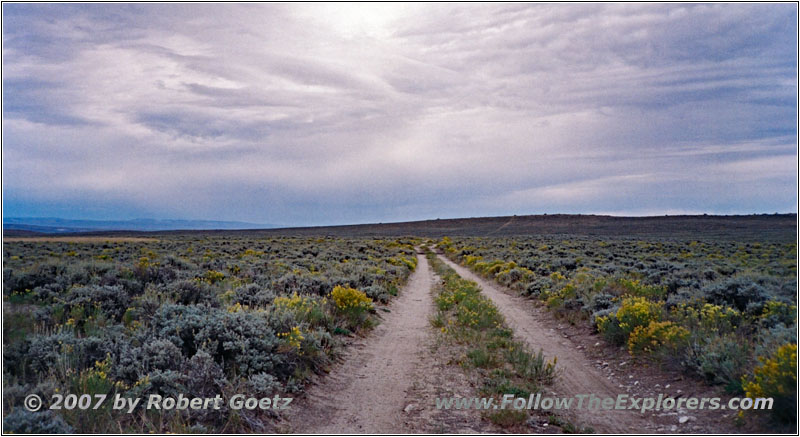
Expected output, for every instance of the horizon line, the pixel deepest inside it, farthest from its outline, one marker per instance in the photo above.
(281, 226)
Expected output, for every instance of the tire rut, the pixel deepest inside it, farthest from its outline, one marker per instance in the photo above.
(577, 375)
(367, 392)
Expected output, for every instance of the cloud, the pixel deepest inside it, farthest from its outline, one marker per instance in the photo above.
(339, 113)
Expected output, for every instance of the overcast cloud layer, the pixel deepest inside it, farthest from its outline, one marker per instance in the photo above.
(324, 114)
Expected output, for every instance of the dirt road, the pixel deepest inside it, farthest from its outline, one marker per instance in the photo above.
(368, 392)
(388, 380)
(577, 376)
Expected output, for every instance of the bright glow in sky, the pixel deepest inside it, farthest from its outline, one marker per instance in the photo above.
(303, 114)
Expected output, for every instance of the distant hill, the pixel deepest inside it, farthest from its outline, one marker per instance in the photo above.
(51, 225)
(744, 227)
(739, 227)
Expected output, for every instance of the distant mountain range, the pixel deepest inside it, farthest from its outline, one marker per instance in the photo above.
(52, 225)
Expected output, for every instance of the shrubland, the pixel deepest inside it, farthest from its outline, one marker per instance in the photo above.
(183, 315)
(723, 310)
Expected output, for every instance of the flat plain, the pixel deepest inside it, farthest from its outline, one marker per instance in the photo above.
(365, 333)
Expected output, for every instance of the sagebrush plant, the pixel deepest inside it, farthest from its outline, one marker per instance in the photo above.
(180, 314)
(22, 421)
(709, 306)
(294, 338)
(718, 358)
(308, 309)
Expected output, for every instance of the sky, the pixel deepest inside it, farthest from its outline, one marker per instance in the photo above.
(313, 114)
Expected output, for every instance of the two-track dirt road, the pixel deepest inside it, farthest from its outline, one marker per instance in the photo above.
(388, 380)
(366, 393)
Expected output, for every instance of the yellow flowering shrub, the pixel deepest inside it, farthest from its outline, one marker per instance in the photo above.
(708, 318)
(480, 266)
(637, 311)
(304, 308)
(491, 268)
(96, 379)
(634, 312)
(656, 336)
(353, 304)
(512, 274)
(235, 308)
(294, 302)
(292, 339)
(227, 296)
(347, 299)
(634, 287)
(554, 301)
(779, 312)
(448, 298)
(557, 277)
(477, 312)
(499, 266)
(470, 260)
(251, 252)
(776, 377)
(213, 276)
(411, 263)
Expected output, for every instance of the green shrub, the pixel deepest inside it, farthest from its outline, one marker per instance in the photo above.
(719, 359)
(531, 366)
(481, 357)
(194, 293)
(507, 418)
(112, 300)
(739, 292)
(301, 309)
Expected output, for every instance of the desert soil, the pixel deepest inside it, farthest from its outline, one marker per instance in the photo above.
(388, 380)
(586, 371)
